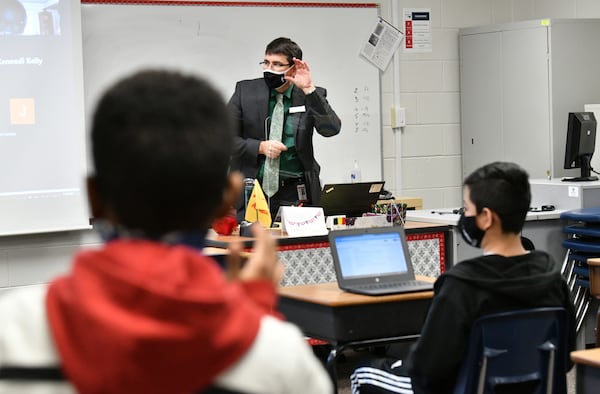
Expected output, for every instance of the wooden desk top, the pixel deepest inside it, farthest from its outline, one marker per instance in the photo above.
(589, 357)
(409, 225)
(329, 294)
(594, 261)
(213, 251)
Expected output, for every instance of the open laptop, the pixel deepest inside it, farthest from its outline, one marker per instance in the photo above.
(374, 261)
(350, 199)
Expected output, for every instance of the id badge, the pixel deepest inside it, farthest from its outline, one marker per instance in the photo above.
(302, 192)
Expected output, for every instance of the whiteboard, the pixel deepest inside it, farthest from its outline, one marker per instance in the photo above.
(224, 42)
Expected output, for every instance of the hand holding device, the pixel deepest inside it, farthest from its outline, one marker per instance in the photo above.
(263, 262)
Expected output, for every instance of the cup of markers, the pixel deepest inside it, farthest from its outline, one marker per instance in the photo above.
(395, 213)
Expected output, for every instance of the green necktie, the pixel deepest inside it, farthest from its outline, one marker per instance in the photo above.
(271, 173)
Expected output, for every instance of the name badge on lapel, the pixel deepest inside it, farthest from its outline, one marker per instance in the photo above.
(300, 108)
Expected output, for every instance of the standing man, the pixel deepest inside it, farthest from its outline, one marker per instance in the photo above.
(275, 117)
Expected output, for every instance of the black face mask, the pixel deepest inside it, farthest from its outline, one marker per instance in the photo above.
(274, 80)
(469, 230)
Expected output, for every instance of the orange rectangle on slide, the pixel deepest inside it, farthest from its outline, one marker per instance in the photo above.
(22, 111)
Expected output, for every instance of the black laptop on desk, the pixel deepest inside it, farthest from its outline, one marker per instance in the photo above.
(350, 199)
(374, 261)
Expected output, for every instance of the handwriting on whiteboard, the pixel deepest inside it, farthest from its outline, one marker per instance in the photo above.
(362, 111)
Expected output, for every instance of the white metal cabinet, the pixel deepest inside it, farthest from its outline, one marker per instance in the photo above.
(518, 83)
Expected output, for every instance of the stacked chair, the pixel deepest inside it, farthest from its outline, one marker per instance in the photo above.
(594, 268)
(582, 244)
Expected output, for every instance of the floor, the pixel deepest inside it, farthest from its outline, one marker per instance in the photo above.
(346, 364)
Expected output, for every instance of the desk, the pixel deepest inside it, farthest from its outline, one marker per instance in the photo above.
(307, 260)
(588, 370)
(544, 229)
(343, 319)
(564, 195)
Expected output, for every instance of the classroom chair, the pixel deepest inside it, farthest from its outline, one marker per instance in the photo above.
(582, 243)
(522, 351)
(594, 273)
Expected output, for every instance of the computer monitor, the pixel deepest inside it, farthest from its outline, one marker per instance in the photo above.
(581, 142)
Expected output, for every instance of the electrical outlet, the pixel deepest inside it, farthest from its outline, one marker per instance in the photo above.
(573, 191)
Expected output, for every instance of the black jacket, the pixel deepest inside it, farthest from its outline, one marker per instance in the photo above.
(476, 287)
(249, 106)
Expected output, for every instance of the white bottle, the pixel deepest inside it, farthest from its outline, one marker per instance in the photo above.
(355, 173)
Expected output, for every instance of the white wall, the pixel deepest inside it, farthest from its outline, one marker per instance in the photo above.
(34, 259)
(430, 160)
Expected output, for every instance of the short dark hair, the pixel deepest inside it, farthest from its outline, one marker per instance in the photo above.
(504, 188)
(284, 46)
(161, 144)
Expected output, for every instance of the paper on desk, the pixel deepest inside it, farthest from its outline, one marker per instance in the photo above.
(303, 221)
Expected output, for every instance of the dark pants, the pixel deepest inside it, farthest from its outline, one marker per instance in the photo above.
(379, 376)
(286, 195)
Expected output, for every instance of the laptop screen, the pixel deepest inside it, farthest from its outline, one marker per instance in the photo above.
(350, 199)
(371, 254)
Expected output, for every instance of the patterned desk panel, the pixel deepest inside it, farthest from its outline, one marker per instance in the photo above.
(312, 263)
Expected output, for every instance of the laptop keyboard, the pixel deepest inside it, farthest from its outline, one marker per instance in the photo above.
(409, 284)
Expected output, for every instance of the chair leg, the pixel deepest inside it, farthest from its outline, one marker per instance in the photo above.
(567, 271)
(482, 372)
(581, 306)
(577, 299)
(565, 264)
(551, 348)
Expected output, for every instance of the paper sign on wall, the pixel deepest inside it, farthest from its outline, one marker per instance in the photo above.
(417, 27)
(303, 221)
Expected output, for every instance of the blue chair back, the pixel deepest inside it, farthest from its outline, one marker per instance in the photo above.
(523, 351)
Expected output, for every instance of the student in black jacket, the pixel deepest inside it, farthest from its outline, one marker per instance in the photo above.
(506, 277)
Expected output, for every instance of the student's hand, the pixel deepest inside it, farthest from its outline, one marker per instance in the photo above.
(233, 261)
(271, 148)
(302, 77)
(263, 262)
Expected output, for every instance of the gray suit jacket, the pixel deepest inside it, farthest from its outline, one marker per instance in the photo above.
(249, 107)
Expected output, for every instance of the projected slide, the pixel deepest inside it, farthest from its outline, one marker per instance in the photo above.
(42, 133)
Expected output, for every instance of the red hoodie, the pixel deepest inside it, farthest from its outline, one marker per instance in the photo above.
(145, 317)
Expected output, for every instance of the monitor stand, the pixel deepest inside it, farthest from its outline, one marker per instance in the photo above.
(580, 179)
(586, 171)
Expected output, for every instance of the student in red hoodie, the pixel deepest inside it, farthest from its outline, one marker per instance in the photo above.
(148, 312)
